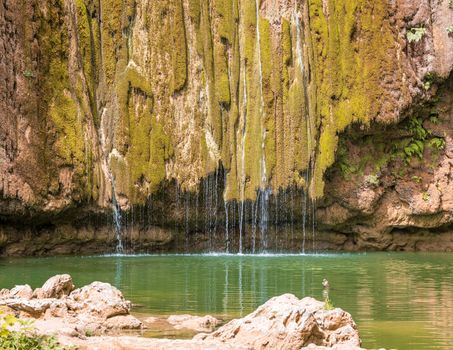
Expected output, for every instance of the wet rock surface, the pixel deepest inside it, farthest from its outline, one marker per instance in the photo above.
(285, 322)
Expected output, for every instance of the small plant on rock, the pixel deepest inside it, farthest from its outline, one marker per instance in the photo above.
(425, 196)
(417, 179)
(437, 143)
(328, 305)
(415, 34)
(372, 180)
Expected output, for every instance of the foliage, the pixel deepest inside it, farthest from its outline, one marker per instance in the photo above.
(372, 180)
(28, 74)
(416, 146)
(415, 34)
(417, 179)
(16, 334)
(425, 196)
(437, 143)
(429, 80)
(450, 30)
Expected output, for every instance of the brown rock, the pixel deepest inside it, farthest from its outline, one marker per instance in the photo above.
(23, 291)
(123, 322)
(55, 287)
(200, 324)
(98, 299)
(285, 322)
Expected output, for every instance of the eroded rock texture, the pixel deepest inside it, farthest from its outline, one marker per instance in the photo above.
(160, 108)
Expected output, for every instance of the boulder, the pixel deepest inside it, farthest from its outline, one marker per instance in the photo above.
(55, 287)
(22, 291)
(123, 322)
(200, 324)
(285, 322)
(99, 300)
(33, 307)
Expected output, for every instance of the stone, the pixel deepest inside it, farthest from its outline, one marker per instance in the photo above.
(4, 293)
(285, 322)
(22, 291)
(123, 322)
(33, 307)
(200, 324)
(55, 287)
(98, 299)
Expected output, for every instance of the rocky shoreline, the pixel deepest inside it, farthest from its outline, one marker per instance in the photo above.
(97, 316)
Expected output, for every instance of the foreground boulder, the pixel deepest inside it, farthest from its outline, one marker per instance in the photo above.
(100, 300)
(59, 309)
(285, 322)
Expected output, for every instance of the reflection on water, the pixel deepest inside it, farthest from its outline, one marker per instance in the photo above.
(402, 301)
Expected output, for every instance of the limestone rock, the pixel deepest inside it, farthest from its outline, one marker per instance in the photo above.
(34, 307)
(22, 291)
(200, 324)
(285, 322)
(100, 300)
(123, 322)
(55, 287)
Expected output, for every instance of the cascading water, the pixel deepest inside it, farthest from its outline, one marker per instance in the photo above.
(117, 220)
(244, 135)
(308, 205)
(264, 191)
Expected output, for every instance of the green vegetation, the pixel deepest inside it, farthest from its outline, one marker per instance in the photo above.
(372, 180)
(417, 179)
(426, 196)
(328, 305)
(415, 34)
(16, 334)
(28, 74)
(437, 143)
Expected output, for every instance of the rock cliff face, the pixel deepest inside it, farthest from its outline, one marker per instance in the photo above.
(195, 114)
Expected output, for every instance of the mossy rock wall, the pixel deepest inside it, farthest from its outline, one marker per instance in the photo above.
(137, 92)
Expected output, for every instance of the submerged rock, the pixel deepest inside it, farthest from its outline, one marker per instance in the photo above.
(200, 324)
(285, 322)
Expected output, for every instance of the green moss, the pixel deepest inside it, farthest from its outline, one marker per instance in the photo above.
(224, 11)
(86, 50)
(179, 52)
(221, 79)
(58, 95)
(356, 45)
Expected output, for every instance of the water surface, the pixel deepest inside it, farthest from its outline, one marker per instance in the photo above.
(399, 300)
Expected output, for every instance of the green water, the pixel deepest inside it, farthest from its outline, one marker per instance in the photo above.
(399, 300)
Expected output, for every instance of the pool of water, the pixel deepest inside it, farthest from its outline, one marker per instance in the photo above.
(399, 300)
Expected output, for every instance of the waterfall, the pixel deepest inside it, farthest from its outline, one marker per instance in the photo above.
(117, 219)
(227, 232)
(308, 207)
(263, 192)
(244, 135)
